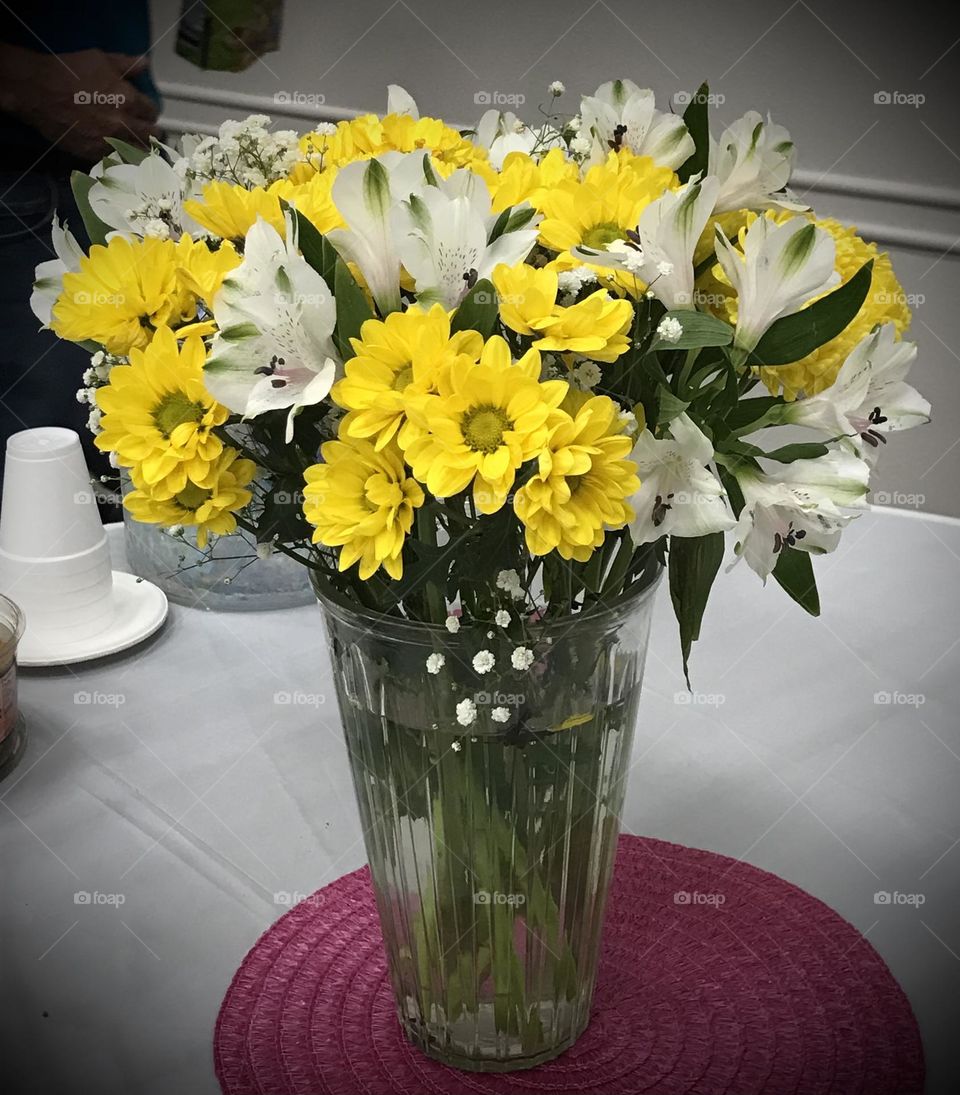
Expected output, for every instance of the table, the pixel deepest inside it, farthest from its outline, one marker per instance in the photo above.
(199, 784)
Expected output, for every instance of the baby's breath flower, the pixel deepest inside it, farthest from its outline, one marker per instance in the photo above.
(502, 618)
(665, 269)
(484, 661)
(452, 624)
(521, 658)
(456, 746)
(509, 582)
(557, 88)
(435, 662)
(466, 712)
(670, 329)
(500, 714)
(580, 146)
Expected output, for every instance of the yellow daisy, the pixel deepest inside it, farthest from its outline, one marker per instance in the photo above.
(486, 420)
(159, 418)
(202, 269)
(123, 290)
(362, 501)
(522, 179)
(209, 509)
(313, 198)
(596, 326)
(229, 211)
(407, 353)
(582, 483)
(601, 208)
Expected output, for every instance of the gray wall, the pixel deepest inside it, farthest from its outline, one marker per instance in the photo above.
(891, 168)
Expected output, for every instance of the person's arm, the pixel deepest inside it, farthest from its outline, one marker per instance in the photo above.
(75, 100)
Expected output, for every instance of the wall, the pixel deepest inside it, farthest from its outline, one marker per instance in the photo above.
(890, 167)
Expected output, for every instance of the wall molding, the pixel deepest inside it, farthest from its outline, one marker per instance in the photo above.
(918, 195)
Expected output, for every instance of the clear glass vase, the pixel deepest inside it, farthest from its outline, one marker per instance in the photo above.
(491, 844)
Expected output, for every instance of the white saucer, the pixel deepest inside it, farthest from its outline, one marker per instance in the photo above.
(140, 608)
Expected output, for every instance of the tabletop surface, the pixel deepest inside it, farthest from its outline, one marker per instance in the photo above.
(198, 785)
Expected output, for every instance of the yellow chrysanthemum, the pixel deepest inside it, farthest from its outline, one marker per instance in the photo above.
(202, 269)
(362, 501)
(229, 211)
(209, 509)
(159, 418)
(123, 290)
(522, 179)
(485, 422)
(367, 136)
(313, 198)
(602, 208)
(596, 326)
(407, 353)
(582, 482)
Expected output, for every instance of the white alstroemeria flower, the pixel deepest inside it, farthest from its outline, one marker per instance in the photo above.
(365, 192)
(679, 495)
(502, 132)
(144, 199)
(753, 160)
(441, 238)
(48, 277)
(782, 267)
(400, 101)
(799, 506)
(276, 317)
(869, 397)
(644, 130)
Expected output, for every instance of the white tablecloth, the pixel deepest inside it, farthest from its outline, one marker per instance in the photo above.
(173, 786)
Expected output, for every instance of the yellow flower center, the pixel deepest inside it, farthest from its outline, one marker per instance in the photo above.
(192, 497)
(173, 410)
(483, 428)
(403, 378)
(600, 235)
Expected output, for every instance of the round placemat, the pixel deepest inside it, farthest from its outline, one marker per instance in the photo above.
(716, 978)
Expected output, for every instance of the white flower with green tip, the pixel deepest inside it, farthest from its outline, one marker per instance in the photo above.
(48, 283)
(753, 159)
(678, 495)
(144, 199)
(869, 396)
(276, 316)
(620, 106)
(801, 506)
(782, 268)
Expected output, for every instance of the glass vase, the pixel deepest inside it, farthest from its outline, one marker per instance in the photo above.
(491, 826)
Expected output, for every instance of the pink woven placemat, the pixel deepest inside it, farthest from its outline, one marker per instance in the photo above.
(763, 990)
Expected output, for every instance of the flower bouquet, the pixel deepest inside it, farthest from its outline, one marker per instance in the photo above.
(487, 385)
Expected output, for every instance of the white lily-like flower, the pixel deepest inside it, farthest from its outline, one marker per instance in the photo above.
(800, 506)
(144, 199)
(365, 192)
(679, 495)
(869, 396)
(502, 132)
(442, 236)
(48, 278)
(622, 113)
(400, 101)
(276, 318)
(753, 160)
(781, 268)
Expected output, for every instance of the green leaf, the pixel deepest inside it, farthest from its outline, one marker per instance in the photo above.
(80, 183)
(699, 329)
(128, 153)
(800, 450)
(697, 122)
(794, 573)
(315, 248)
(669, 406)
(692, 566)
(793, 337)
(477, 311)
(352, 309)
